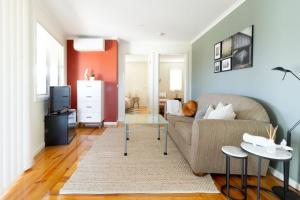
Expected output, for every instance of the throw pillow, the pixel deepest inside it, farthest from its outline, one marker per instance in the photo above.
(225, 113)
(209, 110)
(189, 109)
(200, 113)
(220, 105)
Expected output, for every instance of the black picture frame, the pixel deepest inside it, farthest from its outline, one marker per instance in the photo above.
(218, 50)
(217, 67)
(226, 65)
(242, 52)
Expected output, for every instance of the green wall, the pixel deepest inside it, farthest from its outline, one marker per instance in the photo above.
(276, 42)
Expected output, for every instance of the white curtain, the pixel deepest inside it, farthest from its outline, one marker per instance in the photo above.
(15, 89)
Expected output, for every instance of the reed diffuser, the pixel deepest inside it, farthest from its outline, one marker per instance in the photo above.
(271, 148)
(272, 132)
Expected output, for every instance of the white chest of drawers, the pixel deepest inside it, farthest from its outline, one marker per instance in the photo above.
(90, 101)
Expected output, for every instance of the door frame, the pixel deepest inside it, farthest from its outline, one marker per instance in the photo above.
(153, 60)
(186, 74)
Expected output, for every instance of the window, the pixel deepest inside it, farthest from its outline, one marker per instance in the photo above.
(175, 79)
(49, 61)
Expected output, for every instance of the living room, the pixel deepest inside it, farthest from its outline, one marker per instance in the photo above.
(238, 56)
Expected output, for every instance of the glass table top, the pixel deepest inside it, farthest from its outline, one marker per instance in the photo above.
(144, 119)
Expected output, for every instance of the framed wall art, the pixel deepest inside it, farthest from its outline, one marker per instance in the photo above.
(236, 51)
(242, 50)
(226, 65)
(218, 50)
(217, 68)
(227, 47)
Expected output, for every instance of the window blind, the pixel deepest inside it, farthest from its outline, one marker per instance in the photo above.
(15, 68)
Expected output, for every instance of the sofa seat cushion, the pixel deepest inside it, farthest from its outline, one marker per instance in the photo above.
(185, 130)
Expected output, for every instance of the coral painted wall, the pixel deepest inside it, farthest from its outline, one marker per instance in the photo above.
(104, 65)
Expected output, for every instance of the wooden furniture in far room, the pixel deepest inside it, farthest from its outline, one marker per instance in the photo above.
(162, 105)
(90, 101)
(135, 100)
(127, 104)
(162, 102)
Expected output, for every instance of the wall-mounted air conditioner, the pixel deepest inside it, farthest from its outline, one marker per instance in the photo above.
(89, 44)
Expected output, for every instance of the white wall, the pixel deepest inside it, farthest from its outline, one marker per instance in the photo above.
(39, 106)
(136, 81)
(152, 49)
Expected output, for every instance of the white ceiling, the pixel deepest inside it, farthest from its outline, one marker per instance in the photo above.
(136, 58)
(162, 58)
(138, 20)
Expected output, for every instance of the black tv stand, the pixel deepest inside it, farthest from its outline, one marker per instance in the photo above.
(59, 128)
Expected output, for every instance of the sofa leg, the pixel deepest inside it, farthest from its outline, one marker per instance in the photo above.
(200, 174)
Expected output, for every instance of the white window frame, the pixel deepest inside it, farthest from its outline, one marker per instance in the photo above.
(60, 65)
(174, 85)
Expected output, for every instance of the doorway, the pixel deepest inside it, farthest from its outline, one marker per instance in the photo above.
(172, 79)
(136, 84)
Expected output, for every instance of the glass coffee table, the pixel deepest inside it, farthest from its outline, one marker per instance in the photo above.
(145, 119)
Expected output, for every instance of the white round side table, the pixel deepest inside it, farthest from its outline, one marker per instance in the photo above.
(238, 153)
(263, 153)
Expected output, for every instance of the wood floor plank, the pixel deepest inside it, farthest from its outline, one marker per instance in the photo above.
(54, 165)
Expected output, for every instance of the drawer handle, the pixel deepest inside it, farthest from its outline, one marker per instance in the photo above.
(89, 107)
(88, 96)
(88, 117)
(88, 86)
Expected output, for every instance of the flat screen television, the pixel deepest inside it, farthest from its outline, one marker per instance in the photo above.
(60, 98)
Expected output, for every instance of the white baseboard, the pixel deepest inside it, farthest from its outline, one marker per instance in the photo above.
(279, 175)
(110, 123)
(39, 149)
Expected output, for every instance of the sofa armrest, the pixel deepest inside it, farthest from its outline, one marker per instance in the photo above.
(209, 136)
(177, 118)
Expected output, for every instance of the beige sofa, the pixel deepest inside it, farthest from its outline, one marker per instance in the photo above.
(200, 141)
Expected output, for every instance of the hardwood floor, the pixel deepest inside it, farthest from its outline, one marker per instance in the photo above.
(54, 165)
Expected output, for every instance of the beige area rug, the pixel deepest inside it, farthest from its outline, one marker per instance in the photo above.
(105, 170)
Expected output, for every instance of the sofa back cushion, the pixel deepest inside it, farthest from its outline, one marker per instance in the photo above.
(245, 108)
